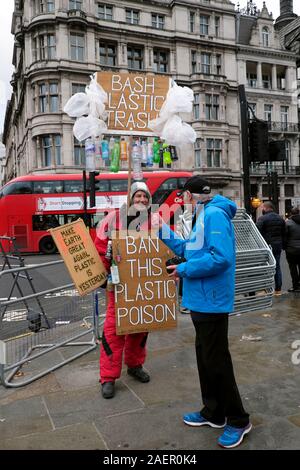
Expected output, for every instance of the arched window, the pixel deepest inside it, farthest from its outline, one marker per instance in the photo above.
(265, 36)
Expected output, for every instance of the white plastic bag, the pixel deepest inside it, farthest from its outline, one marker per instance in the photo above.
(88, 126)
(179, 100)
(78, 105)
(178, 133)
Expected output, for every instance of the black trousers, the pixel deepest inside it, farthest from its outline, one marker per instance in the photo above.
(293, 258)
(220, 395)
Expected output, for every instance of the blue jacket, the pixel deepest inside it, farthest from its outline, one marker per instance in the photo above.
(209, 271)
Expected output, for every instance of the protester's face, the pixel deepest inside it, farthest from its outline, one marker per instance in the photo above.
(187, 197)
(140, 199)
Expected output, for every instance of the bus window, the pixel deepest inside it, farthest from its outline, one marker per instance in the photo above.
(47, 187)
(44, 222)
(102, 186)
(166, 188)
(119, 185)
(21, 187)
(73, 186)
(97, 218)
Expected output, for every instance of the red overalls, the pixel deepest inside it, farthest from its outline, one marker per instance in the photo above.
(112, 345)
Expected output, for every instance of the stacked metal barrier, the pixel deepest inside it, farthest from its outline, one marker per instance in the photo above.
(255, 266)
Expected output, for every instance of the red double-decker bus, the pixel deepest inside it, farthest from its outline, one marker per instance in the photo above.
(30, 205)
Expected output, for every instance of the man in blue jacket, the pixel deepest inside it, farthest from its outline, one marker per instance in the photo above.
(208, 292)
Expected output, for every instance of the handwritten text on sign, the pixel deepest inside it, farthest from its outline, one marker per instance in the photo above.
(80, 256)
(146, 297)
(133, 100)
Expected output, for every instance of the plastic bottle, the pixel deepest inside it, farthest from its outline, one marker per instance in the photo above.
(123, 152)
(114, 270)
(98, 154)
(90, 155)
(149, 154)
(166, 154)
(174, 156)
(144, 153)
(105, 150)
(156, 147)
(110, 286)
(115, 158)
(108, 254)
(136, 163)
(111, 146)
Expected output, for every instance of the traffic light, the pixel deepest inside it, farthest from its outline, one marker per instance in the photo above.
(92, 178)
(277, 150)
(258, 141)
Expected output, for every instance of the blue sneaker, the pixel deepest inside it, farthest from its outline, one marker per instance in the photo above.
(232, 437)
(196, 419)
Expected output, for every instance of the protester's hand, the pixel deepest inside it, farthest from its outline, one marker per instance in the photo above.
(156, 221)
(173, 271)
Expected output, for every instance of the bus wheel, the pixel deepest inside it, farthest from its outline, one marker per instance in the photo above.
(47, 246)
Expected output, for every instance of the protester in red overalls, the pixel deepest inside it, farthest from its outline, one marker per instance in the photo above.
(134, 345)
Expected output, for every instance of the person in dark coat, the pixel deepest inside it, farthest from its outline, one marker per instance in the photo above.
(292, 248)
(272, 228)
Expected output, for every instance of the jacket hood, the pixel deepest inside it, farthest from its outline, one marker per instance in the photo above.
(223, 203)
(296, 218)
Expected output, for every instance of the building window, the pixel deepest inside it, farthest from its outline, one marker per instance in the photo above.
(132, 16)
(287, 151)
(289, 190)
(105, 12)
(107, 53)
(45, 6)
(79, 153)
(218, 64)
(252, 110)
(75, 4)
(135, 57)
(194, 61)
(252, 80)
(266, 79)
(78, 88)
(161, 60)
(265, 36)
(196, 106)
(284, 114)
(268, 109)
(197, 147)
(44, 47)
(192, 21)
(212, 107)
(205, 62)
(158, 21)
(77, 46)
(214, 152)
(48, 98)
(50, 150)
(217, 26)
(204, 24)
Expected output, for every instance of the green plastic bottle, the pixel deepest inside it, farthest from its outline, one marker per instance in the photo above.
(115, 158)
(167, 154)
(155, 150)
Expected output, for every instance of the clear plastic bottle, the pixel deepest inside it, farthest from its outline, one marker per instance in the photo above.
(149, 154)
(90, 164)
(174, 156)
(123, 153)
(98, 154)
(136, 163)
(144, 153)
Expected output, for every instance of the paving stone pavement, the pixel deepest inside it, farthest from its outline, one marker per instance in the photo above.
(65, 409)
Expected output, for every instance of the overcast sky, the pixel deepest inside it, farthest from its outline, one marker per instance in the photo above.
(6, 45)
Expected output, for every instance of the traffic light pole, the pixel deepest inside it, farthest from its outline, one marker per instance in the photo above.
(245, 147)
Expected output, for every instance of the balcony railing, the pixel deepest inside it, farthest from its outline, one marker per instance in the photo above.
(282, 168)
(288, 127)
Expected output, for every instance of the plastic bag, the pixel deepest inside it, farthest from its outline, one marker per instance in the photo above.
(179, 100)
(88, 126)
(78, 105)
(178, 133)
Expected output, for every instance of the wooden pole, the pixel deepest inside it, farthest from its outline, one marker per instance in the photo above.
(129, 171)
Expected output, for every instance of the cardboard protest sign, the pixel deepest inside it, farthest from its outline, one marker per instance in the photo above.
(133, 99)
(146, 298)
(82, 260)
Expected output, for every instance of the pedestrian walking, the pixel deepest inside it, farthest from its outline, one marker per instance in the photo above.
(208, 291)
(113, 345)
(272, 228)
(292, 248)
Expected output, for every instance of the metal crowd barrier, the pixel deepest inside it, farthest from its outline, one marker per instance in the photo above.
(36, 340)
(255, 266)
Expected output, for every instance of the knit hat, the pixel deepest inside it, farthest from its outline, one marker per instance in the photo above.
(139, 186)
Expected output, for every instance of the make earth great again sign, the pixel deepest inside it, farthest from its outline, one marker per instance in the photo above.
(133, 99)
